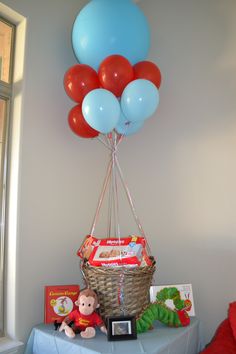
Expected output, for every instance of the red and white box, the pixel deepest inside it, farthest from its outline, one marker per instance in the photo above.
(118, 251)
(126, 251)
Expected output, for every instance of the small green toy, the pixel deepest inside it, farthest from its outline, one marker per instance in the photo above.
(159, 311)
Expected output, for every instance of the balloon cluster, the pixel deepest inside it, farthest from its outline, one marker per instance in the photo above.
(114, 87)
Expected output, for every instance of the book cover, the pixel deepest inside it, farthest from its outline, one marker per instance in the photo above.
(59, 301)
(186, 293)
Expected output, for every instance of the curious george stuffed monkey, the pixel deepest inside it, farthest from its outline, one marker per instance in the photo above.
(84, 318)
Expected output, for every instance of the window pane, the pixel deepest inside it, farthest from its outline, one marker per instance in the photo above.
(5, 51)
(2, 119)
(2, 115)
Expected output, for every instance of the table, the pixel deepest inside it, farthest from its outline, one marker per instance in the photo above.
(161, 340)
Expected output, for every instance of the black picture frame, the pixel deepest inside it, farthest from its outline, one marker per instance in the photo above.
(121, 328)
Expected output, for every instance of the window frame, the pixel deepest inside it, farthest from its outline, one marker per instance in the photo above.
(6, 94)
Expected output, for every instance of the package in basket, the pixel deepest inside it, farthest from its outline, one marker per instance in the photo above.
(111, 252)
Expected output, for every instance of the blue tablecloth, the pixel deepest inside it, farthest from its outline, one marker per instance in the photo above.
(161, 340)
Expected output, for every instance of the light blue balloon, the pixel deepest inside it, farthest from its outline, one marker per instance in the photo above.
(127, 128)
(139, 100)
(106, 27)
(101, 110)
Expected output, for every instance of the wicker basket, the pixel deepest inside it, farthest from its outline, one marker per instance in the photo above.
(121, 291)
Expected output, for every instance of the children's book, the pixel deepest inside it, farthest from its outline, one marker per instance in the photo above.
(186, 293)
(59, 301)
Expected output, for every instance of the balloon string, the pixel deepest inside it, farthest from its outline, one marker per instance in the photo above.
(131, 203)
(113, 209)
(113, 140)
(109, 216)
(107, 144)
(115, 187)
(111, 206)
(104, 142)
(109, 141)
(108, 174)
(110, 199)
(117, 140)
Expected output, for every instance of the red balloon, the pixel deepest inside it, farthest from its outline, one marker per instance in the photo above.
(114, 73)
(79, 125)
(149, 71)
(79, 80)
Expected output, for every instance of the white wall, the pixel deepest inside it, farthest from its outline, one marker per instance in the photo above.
(191, 177)
(180, 167)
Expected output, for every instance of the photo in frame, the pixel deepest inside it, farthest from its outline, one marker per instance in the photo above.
(121, 328)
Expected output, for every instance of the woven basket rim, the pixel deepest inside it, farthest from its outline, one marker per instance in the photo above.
(118, 270)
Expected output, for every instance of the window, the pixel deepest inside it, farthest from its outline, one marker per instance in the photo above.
(7, 42)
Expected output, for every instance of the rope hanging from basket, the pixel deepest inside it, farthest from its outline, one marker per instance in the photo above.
(111, 179)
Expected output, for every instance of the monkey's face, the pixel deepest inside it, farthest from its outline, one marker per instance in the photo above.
(86, 305)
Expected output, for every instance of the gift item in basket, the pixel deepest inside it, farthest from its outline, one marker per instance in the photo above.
(127, 251)
(87, 247)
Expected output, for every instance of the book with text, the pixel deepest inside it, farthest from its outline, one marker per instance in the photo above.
(59, 301)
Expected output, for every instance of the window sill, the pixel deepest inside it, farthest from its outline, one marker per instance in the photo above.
(9, 346)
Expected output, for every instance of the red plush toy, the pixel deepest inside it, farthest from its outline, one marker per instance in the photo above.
(84, 318)
(224, 340)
